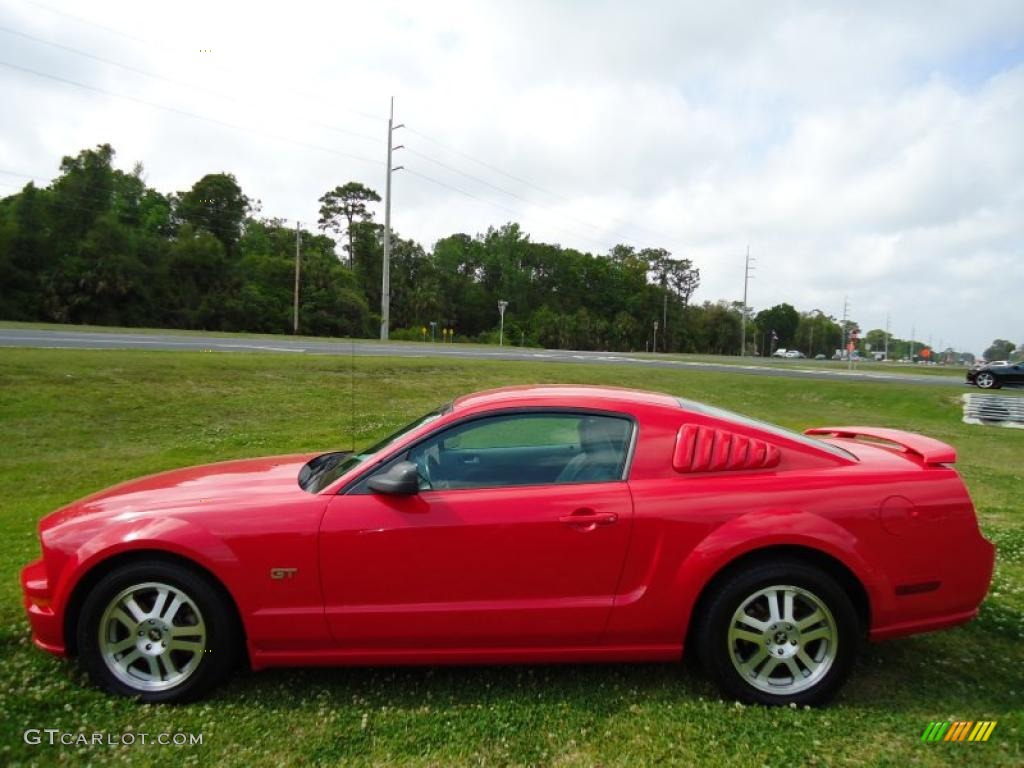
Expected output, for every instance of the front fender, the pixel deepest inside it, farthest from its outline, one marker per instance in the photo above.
(761, 530)
(172, 535)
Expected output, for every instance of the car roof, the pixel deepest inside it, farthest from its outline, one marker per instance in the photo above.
(574, 395)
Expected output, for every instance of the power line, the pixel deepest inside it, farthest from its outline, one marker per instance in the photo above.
(513, 211)
(164, 78)
(149, 44)
(481, 162)
(185, 113)
(521, 180)
(23, 175)
(279, 137)
(602, 230)
(220, 94)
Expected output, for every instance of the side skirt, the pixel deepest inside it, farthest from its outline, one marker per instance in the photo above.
(370, 657)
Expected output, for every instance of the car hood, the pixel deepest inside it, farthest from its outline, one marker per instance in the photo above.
(191, 488)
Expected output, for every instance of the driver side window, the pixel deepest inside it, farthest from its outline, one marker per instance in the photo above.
(525, 449)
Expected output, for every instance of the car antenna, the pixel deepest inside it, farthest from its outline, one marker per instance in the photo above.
(352, 390)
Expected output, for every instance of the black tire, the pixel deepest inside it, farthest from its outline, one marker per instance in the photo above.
(991, 382)
(220, 642)
(716, 651)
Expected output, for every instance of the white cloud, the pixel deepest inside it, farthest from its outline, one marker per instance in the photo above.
(869, 149)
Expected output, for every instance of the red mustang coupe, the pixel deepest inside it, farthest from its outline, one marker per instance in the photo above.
(529, 524)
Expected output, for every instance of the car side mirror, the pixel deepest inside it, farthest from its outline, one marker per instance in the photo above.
(402, 479)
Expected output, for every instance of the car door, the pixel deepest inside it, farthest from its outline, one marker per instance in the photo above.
(516, 538)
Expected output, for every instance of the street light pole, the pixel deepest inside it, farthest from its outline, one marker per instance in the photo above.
(501, 328)
(654, 346)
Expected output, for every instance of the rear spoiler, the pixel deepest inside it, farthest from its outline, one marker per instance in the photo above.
(930, 451)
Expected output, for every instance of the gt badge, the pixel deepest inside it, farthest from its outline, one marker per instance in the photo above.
(282, 573)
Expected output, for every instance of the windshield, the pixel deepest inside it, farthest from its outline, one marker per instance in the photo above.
(764, 426)
(320, 472)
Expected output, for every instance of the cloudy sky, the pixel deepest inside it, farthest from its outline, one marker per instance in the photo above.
(873, 150)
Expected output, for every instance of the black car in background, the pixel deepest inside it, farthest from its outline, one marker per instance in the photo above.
(1000, 373)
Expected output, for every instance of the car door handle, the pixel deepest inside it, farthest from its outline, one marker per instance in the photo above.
(587, 519)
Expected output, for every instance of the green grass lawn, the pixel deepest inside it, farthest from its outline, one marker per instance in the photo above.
(72, 422)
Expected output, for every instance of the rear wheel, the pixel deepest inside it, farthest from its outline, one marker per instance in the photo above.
(779, 633)
(157, 631)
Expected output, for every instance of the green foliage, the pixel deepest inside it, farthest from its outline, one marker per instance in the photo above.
(98, 246)
(343, 207)
(215, 203)
(783, 320)
(717, 328)
(1000, 349)
(819, 334)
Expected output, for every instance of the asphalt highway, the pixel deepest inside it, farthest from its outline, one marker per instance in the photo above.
(54, 339)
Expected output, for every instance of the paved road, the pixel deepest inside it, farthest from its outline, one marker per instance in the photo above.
(13, 337)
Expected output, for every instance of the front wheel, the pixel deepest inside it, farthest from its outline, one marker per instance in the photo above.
(779, 634)
(986, 380)
(157, 631)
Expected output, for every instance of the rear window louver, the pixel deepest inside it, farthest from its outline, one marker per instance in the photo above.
(707, 449)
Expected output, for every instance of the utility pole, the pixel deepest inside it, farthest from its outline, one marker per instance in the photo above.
(654, 344)
(385, 293)
(913, 331)
(747, 269)
(887, 338)
(295, 311)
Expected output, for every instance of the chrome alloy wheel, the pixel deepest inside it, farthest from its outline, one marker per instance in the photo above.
(152, 636)
(782, 639)
(985, 380)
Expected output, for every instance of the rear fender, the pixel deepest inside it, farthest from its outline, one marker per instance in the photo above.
(755, 531)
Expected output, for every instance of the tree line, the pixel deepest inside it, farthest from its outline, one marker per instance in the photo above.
(99, 246)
